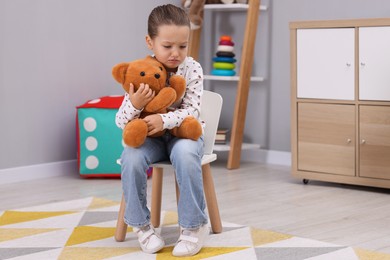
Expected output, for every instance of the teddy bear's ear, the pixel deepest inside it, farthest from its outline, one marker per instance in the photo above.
(150, 59)
(153, 62)
(119, 72)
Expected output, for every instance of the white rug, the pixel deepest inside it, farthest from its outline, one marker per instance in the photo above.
(84, 229)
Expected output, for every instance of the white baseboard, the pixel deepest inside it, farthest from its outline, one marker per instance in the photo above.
(262, 156)
(37, 171)
(47, 170)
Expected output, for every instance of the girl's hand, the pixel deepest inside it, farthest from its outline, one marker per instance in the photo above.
(142, 96)
(155, 124)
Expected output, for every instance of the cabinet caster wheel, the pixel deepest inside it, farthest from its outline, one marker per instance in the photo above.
(305, 181)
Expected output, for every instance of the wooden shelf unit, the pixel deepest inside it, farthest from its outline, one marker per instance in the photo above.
(244, 79)
(226, 147)
(232, 7)
(231, 78)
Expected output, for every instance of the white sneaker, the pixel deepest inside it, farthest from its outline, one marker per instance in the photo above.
(149, 240)
(190, 241)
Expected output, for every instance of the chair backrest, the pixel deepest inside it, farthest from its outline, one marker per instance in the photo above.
(210, 112)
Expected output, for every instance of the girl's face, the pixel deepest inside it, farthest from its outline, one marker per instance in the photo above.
(170, 46)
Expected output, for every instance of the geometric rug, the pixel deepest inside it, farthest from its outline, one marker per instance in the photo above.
(84, 229)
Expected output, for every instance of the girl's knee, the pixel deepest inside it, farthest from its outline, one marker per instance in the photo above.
(186, 159)
(133, 159)
(186, 149)
(132, 154)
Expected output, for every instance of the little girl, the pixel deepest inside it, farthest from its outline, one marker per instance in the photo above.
(168, 37)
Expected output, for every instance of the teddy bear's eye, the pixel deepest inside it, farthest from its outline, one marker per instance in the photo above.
(161, 68)
(157, 76)
(142, 73)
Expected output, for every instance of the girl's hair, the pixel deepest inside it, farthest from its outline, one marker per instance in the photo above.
(166, 15)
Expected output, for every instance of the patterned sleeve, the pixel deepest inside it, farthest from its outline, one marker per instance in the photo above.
(190, 104)
(126, 112)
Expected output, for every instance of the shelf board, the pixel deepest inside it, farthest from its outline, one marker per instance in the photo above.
(231, 7)
(226, 147)
(230, 78)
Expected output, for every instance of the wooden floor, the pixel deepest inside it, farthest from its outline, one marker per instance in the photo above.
(261, 196)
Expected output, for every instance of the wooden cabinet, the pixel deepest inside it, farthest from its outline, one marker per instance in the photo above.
(374, 141)
(326, 63)
(340, 101)
(374, 63)
(326, 138)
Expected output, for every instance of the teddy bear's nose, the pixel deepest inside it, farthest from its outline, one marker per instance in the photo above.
(157, 76)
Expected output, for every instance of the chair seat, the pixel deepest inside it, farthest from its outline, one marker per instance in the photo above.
(207, 158)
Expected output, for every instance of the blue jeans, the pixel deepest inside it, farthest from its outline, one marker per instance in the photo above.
(185, 156)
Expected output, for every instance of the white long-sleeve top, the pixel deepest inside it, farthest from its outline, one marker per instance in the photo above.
(189, 105)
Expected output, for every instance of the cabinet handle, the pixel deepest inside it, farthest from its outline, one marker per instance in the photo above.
(349, 140)
(363, 141)
(348, 64)
(362, 64)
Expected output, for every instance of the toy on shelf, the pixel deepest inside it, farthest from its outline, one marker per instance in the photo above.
(223, 63)
(195, 8)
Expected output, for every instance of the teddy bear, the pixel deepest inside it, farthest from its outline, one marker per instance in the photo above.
(152, 72)
(195, 12)
(195, 9)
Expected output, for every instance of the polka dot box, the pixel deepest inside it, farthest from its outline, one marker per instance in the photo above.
(99, 140)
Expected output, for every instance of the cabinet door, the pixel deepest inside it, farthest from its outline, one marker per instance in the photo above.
(374, 63)
(326, 138)
(375, 141)
(325, 63)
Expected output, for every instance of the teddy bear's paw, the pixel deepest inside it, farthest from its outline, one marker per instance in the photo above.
(190, 128)
(162, 101)
(178, 83)
(135, 133)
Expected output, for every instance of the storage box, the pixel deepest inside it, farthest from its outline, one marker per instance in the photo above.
(99, 140)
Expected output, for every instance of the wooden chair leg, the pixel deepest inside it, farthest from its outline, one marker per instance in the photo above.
(157, 182)
(121, 226)
(211, 199)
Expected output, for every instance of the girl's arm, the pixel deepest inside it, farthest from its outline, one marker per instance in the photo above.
(126, 112)
(190, 104)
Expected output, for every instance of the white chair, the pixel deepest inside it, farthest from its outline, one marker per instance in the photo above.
(210, 113)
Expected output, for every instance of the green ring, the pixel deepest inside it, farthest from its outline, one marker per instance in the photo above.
(224, 65)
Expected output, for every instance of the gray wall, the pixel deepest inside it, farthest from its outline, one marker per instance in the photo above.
(56, 54)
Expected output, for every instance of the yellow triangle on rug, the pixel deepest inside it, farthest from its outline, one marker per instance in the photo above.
(15, 233)
(261, 237)
(86, 234)
(370, 255)
(12, 217)
(93, 253)
(170, 218)
(98, 203)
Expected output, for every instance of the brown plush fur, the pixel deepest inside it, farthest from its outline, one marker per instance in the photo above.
(195, 12)
(153, 73)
